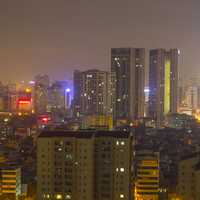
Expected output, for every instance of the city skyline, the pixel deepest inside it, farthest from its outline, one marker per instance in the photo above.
(64, 36)
(99, 100)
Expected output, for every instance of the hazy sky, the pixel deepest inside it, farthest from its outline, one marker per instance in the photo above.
(57, 36)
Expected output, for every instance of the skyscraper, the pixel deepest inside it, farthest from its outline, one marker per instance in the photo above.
(41, 94)
(4, 98)
(163, 83)
(129, 66)
(57, 100)
(94, 93)
(84, 165)
(58, 92)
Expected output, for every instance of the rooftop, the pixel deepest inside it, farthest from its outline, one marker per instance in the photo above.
(84, 134)
(190, 156)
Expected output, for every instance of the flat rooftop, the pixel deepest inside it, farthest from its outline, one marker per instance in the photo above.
(84, 134)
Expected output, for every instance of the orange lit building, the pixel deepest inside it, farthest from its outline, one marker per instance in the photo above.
(24, 101)
(98, 121)
(147, 175)
(10, 182)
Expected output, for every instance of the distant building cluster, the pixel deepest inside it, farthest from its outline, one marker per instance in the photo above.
(121, 93)
(38, 97)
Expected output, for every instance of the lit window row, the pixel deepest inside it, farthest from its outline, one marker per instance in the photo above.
(57, 196)
(46, 196)
(120, 169)
(89, 75)
(139, 65)
(120, 143)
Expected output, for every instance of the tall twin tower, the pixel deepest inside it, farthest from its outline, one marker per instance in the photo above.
(121, 92)
(129, 66)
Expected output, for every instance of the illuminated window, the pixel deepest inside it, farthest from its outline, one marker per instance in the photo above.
(122, 143)
(117, 143)
(58, 196)
(121, 196)
(68, 196)
(121, 169)
(117, 169)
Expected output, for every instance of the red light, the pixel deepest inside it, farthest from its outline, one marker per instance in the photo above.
(24, 102)
(45, 119)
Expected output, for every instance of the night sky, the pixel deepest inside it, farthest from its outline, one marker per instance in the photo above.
(57, 36)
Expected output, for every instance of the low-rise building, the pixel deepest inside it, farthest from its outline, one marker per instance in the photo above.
(189, 177)
(10, 182)
(147, 175)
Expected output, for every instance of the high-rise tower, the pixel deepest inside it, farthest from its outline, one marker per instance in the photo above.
(163, 83)
(129, 66)
(94, 93)
(41, 94)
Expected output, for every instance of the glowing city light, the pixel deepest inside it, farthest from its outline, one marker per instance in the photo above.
(146, 90)
(6, 120)
(58, 196)
(24, 102)
(28, 90)
(45, 119)
(68, 90)
(32, 82)
(20, 114)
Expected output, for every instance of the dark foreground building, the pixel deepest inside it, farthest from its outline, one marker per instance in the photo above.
(84, 165)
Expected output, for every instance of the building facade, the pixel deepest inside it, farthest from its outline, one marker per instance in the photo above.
(163, 83)
(59, 100)
(129, 66)
(147, 175)
(192, 97)
(41, 94)
(10, 182)
(94, 93)
(188, 177)
(84, 165)
(4, 98)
